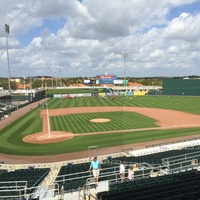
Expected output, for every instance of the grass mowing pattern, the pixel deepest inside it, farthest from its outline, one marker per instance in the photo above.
(181, 103)
(80, 123)
(11, 136)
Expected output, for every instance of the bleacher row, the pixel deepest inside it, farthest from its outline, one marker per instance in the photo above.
(110, 168)
(157, 158)
(72, 176)
(20, 182)
(179, 186)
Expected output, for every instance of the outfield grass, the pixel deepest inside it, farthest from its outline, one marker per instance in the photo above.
(183, 103)
(11, 136)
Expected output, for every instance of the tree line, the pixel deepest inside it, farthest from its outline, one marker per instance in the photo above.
(47, 81)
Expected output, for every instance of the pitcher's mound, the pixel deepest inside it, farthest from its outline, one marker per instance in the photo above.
(45, 138)
(100, 120)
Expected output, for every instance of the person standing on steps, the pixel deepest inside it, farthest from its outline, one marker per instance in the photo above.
(122, 171)
(95, 166)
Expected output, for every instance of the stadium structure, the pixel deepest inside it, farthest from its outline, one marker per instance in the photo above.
(167, 170)
(188, 87)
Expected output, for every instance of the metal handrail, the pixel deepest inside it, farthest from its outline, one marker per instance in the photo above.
(182, 166)
(24, 194)
(181, 157)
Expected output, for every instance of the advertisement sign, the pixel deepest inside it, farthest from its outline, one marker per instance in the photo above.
(57, 96)
(129, 93)
(86, 81)
(105, 77)
(106, 81)
(116, 93)
(92, 81)
(89, 81)
(120, 82)
(126, 82)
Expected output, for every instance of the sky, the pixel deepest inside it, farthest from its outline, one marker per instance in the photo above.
(86, 38)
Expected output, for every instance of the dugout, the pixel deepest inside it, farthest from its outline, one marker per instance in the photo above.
(5, 99)
(21, 97)
(189, 87)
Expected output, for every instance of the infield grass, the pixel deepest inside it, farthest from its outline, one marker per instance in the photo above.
(119, 121)
(11, 136)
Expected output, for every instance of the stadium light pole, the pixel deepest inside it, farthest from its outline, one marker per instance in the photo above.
(42, 82)
(31, 88)
(24, 82)
(124, 55)
(52, 81)
(7, 31)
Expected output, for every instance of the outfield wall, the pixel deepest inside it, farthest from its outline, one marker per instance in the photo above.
(102, 94)
(189, 87)
(140, 93)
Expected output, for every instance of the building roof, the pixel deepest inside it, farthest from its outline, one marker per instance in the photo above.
(134, 84)
(21, 86)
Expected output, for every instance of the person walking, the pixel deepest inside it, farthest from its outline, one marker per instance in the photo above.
(122, 171)
(95, 166)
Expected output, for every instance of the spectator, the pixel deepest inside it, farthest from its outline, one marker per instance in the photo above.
(95, 166)
(140, 167)
(130, 173)
(122, 171)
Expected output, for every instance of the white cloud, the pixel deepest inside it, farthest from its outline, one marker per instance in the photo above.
(156, 54)
(89, 37)
(36, 42)
(173, 49)
(185, 27)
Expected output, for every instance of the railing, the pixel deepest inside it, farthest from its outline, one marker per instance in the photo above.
(73, 176)
(105, 172)
(180, 158)
(129, 163)
(22, 193)
(182, 166)
(172, 142)
(12, 184)
(86, 190)
(141, 174)
(111, 177)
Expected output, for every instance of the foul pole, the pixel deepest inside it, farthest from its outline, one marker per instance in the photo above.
(48, 122)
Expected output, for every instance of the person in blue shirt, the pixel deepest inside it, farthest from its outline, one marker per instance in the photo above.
(95, 166)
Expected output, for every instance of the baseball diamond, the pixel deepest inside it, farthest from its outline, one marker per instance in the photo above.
(168, 121)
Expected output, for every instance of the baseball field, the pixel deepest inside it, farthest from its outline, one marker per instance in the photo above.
(71, 125)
